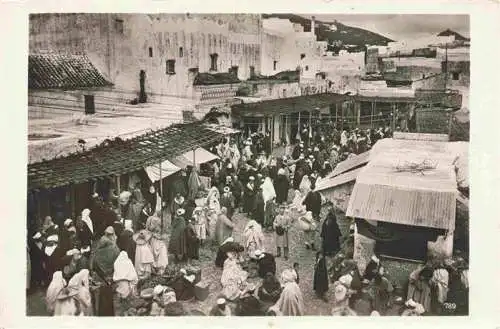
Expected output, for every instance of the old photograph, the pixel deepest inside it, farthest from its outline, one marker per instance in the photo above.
(247, 164)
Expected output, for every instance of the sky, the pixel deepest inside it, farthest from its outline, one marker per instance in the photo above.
(400, 27)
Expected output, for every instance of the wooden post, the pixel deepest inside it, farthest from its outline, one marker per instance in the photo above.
(72, 200)
(161, 198)
(371, 116)
(336, 112)
(118, 193)
(450, 124)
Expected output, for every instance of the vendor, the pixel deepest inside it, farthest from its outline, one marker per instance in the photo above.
(221, 308)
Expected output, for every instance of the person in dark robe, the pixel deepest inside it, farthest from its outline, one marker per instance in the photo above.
(106, 252)
(53, 255)
(37, 259)
(258, 212)
(183, 286)
(118, 227)
(281, 186)
(371, 269)
(270, 290)
(382, 291)
(297, 150)
(84, 232)
(249, 195)
(189, 206)
(296, 269)
(326, 169)
(125, 241)
(227, 200)
(248, 304)
(151, 197)
(178, 244)
(320, 282)
(300, 172)
(192, 241)
(266, 143)
(313, 202)
(146, 212)
(266, 263)
(330, 234)
(237, 191)
(178, 203)
(69, 238)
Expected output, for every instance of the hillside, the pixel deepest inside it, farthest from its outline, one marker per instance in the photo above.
(347, 35)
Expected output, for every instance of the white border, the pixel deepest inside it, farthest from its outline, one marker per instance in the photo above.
(484, 156)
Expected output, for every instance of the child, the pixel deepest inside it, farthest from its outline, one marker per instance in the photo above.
(296, 269)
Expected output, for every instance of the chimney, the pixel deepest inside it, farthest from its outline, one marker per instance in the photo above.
(313, 25)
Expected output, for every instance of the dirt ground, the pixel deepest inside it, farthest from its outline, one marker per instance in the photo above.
(298, 253)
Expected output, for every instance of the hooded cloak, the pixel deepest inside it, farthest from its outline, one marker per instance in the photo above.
(105, 255)
(55, 287)
(253, 238)
(124, 275)
(291, 301)
(80, 282)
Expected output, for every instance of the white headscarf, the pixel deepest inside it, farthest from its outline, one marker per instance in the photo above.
(213, 193)
(55, 287)
(86, 219)
(268, 192)
(124, 269)
(80, 282)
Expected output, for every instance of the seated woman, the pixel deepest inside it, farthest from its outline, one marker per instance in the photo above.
(270, 290)
(221, 309)
(248, 304)
(183, 285)
(233, 277)
(253, 238)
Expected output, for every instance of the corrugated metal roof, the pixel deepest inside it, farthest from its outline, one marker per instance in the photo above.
(422, 197)
(328, 183)
(421, 137)
(65, 71)
(346, 165)
(416, 207)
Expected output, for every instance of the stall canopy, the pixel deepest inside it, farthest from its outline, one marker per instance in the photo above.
(200, 156)
(407, 182)
(167, 169)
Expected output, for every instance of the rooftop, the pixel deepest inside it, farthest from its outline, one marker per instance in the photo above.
(204, 79)
(63, 71)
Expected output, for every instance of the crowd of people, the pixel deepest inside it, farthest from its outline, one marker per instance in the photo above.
(118, 248)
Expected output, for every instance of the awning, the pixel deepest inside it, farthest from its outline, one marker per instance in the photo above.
(288, 105)
(201, 156)
(222, 129)
(352, 163)
(167, 169)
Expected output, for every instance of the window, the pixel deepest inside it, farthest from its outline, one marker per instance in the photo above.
(275, 65)
(181, 52)
(302, 56)
(170, 66)
(89, 104)
(213, 62)
(252, 71)
(455, 76)
(284, 93)
(119, 26)
(150, 51)
(307, 67)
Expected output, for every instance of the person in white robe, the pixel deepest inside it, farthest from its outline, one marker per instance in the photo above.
(66, 303)
(305, 186)
(160, 254)
(80, 283)
(124, 275)
(253, 238)
(343, 138)
(291, 301)
(55, 287)
(200, 224)
(144, 258)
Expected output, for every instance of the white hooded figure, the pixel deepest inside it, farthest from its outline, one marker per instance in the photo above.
(160, 254)
(343, 138)
(214, 209)
(124, 275)
(144, 258)
(80, 282)
(440, 279)
(234, 155)
(87, 220)
(253, 238)
(55, 287)
(66, 303)
(200, 223)
(305, 186)
(268, 192)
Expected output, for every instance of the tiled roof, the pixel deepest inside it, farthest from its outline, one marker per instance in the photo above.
(120, 157)
(64, 71)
